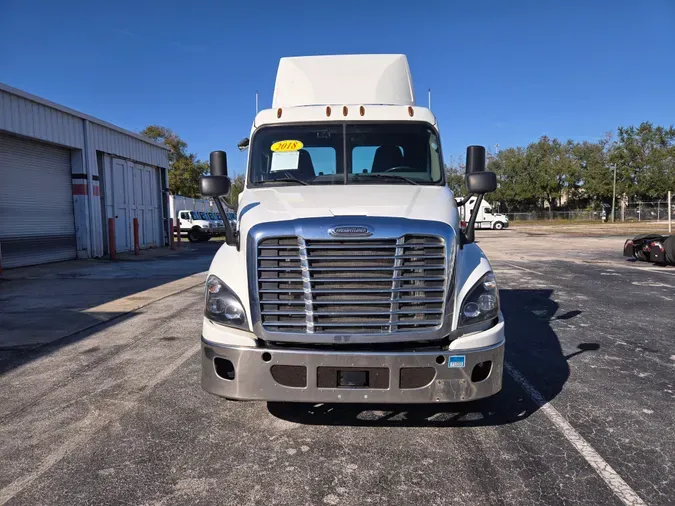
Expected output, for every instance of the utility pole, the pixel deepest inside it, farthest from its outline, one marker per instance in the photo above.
(613, 191)
(670, 213)
(429, 98)
(256, 102)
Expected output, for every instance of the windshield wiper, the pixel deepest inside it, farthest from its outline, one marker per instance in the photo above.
(391, 177)
(283, 180)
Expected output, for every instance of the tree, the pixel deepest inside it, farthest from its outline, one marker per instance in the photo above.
(515, 188)
(167, 137)
(185, 169)
(594, 174)
(550, 173)
(645, 160)
(551, 170)
(236, 188)
(454, 174)
(184, 176)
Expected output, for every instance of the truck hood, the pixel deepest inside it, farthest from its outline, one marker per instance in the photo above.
(435, 203)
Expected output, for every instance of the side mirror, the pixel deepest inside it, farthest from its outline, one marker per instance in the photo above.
(242, 145)
(218, 163)
(214, 186)
(475, 159)
(218, 185)
(481, 183)
(478, 182)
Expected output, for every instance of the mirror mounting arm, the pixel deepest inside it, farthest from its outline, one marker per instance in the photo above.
(465, 200)
(231, 235)
(469, 236)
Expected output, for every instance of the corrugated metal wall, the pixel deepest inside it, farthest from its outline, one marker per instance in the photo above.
(106, 140)
(25, 117)
(33, 117)
(116, 143)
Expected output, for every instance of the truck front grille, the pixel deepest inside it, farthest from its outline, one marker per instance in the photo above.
(364, 286)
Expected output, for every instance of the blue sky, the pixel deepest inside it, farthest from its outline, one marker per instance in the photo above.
(501, 72)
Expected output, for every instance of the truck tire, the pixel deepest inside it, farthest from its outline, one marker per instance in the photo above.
(641, 245)
(669, 246)
(498, 225)
(195, 234)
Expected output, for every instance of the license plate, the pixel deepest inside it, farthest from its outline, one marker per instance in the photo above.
(352, 378)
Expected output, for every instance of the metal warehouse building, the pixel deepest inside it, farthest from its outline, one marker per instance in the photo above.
(63, 174)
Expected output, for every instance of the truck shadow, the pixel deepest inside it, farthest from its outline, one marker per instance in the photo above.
(532, 349)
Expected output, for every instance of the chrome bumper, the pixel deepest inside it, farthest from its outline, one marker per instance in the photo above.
(253, 374)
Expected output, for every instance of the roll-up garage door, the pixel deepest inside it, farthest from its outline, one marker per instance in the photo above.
(37, 222)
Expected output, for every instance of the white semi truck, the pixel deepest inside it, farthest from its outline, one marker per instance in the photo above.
(485, 217)
(348, 277)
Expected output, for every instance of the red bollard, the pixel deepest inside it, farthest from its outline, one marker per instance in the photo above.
(137, 247)
(111, 238)
(178, 234)
(171, 243)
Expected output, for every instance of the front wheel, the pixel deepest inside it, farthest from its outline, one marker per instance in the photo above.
(498, 225)
(194, 234)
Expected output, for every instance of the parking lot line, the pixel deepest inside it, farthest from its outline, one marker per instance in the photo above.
(617, 485)
(521, 268)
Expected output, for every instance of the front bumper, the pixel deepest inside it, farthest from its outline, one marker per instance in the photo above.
(394, 377)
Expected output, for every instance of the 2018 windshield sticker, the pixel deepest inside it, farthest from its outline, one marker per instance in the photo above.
(286, 146)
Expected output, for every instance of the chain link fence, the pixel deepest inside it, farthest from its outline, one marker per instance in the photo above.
(645, 211)
(556, 215)
(655, 211)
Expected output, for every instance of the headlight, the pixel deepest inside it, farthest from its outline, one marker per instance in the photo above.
(223, 306)
(482, 302)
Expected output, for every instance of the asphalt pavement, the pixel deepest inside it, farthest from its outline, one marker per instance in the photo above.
(45, 303)
(115, 414)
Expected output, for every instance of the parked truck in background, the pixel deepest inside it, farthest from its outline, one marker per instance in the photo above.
(348, 277)
(196, 225)
(197, 218)
(485, 217)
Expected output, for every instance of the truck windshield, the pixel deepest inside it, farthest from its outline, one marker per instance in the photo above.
(349, 153)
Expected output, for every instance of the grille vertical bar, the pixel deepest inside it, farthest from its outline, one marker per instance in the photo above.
(306, 285)
(396, 285)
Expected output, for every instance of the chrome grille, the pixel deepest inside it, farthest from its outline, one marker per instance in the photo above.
(361, 286)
